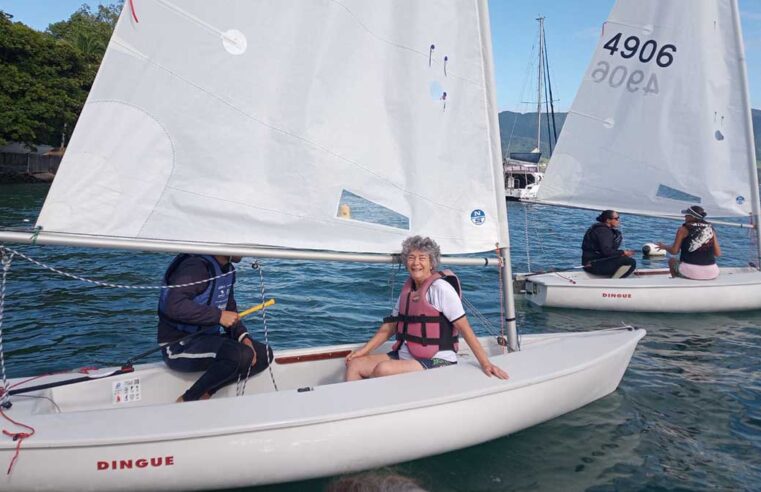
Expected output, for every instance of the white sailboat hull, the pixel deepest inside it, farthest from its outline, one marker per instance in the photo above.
(85, 441)
(736, 289)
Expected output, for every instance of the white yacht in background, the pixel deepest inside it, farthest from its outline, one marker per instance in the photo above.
(522, 169)
(522, 177)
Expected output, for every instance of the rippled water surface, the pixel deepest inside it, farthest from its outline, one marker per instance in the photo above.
(686, 416)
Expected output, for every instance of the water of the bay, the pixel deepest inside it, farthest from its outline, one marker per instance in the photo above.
(687, 415)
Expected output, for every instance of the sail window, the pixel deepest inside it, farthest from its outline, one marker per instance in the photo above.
(354, 207)
(674, 194)
(435, 90)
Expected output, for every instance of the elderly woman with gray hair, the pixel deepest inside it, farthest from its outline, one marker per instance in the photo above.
(428, 320)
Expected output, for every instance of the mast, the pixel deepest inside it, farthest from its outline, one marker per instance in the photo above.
(751, 152)
(496, 151)
(539, 78)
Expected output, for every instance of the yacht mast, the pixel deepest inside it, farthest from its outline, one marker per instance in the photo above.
(539, 75)
(751, 157)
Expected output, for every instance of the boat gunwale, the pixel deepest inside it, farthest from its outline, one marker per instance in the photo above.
(631, 343)
(550, 279)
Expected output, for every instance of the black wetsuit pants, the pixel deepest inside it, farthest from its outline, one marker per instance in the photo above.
(608, 266)
(224, 360)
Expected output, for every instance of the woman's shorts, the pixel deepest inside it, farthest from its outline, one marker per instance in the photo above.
(697, 272)
(426, 363)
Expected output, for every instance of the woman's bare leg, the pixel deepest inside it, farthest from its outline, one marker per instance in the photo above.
(363, 367)
(391, 367)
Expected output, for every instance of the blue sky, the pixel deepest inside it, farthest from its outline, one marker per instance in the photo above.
(572, 28)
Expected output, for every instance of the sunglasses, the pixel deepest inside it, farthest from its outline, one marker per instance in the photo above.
(615, 218)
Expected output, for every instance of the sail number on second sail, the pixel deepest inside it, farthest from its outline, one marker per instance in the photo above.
(647, 52)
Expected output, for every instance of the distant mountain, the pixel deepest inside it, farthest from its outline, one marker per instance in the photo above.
(518, 131)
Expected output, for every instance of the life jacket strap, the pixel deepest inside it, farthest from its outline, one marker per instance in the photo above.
(411, 319)
(446, 343)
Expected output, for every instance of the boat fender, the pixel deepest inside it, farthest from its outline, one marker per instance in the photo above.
(652, 249)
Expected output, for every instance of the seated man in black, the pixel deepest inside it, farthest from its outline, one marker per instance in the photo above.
(223, 349)
(600, 254)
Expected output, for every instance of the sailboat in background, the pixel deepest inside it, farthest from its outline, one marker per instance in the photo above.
(522, 172)
(336, 98)
(662, 121)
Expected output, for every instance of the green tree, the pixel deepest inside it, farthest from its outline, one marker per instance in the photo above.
(88, 32)
(42, 84)
(45, 77)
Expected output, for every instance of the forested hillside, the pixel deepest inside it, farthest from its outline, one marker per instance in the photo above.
(45, 76)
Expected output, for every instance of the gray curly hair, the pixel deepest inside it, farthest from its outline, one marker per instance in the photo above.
(424, 244)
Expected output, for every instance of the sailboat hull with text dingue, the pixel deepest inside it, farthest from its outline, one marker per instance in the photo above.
(366, 100)
(661, 122)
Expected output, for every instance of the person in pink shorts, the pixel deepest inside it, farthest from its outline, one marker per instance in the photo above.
(697, 245)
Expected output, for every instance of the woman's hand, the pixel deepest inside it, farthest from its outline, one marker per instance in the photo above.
(354, 354)
(492, 370)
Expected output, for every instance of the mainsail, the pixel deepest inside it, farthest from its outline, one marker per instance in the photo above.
(661, 119)
(254, 123)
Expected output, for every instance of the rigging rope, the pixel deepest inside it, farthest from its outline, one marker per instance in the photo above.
(5, 402)
(525, 229)
(502, 308)
(392, 281)
(106, 284)
(6, 261)
(241, 389)
(478, 315)
(754, 254)
(9, 253)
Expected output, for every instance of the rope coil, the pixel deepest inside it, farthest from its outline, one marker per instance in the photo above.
(18, 437)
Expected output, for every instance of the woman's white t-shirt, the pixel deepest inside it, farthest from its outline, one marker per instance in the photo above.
(442, 296)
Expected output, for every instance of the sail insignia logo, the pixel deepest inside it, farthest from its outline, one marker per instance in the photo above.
(478, 217)
(740, 200)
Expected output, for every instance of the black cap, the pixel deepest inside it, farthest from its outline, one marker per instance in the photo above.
(695, 211)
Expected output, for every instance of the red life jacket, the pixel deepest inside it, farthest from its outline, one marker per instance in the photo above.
(425, 329)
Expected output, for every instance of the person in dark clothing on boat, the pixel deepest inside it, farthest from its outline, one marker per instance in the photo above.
(600, 253)
(697, 245)
(223, 348)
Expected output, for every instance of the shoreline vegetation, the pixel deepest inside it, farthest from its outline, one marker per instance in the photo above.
(45, 77)
(10, 177)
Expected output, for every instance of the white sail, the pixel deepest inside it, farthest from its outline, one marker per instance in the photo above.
(253, 123)
(660, 121)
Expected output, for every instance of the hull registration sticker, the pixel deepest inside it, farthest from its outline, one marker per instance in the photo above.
(126, 391)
